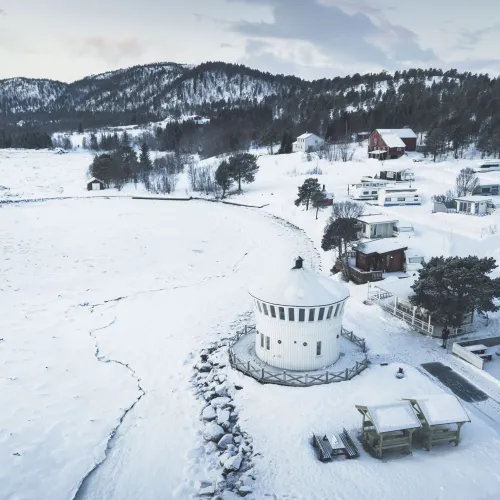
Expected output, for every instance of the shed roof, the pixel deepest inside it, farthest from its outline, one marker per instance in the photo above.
(473, 199)
(441, 409)
(95, 179)
(392, 140)
(396, 416)
(402, 133)
(377, 219)
(299, 288)
(385, 245)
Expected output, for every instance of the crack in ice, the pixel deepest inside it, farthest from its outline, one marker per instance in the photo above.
(81, 488)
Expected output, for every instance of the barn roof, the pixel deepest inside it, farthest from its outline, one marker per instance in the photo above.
(392, 140)
(299, 288)
(384, 245)
(402, 133)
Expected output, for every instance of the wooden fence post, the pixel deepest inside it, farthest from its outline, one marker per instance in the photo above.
(248, 366)
(262, 373)
(306, 379)
(245, 329)
(326, 381)
(357, 368)
(346, 374)
(284, 375)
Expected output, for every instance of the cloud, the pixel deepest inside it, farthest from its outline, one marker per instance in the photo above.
(3, 12)
(470, 38)
(226, 46)
(110, 50)
(339, 31)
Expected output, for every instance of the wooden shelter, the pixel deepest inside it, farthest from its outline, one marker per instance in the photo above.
(389, 427)
(442, 417)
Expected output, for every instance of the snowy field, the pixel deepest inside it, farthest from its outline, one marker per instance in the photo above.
(106, 303)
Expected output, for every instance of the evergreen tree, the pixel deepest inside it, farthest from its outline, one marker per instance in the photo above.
(286, 144)
(223, 177)
(310, 189)
(451, 288)
(269, 138)
(80, 128)
(243, 168)
(145, 158)
(435, 142)
(339, 233)
(94, 145)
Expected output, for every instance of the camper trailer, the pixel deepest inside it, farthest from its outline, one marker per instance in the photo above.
(487, 166)
(366, 190)
(398, 196)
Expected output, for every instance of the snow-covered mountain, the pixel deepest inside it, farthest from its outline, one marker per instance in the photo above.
(155, 88)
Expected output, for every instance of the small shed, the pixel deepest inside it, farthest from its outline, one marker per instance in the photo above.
(441, 416)
(95, 185)
(377, 226)
(475, 205)
(389, 427)
(328, 200)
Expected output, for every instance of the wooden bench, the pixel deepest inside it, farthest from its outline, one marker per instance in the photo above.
(324, 447)
(351, 450)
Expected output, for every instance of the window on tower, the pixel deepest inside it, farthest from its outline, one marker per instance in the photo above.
(291, 314)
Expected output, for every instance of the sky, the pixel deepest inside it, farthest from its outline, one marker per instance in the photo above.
(311, 39)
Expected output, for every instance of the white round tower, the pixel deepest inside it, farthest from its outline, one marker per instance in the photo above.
(299, 319)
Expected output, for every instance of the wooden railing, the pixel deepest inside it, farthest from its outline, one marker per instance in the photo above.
(296, 379)
(365, 276)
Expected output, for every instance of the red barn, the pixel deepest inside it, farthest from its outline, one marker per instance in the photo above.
(391, 143)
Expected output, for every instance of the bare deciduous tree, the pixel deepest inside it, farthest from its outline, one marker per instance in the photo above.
(466, 182)
(347, 210)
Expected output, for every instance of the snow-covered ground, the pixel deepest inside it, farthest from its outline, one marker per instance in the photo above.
(104, 300)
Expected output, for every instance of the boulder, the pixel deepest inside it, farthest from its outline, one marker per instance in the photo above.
(210, 448)
(233, 464)
(221, 390)
(204, 367)
(220, 402)
(209, 413)
(225, 441)
(222, 416)
(213, 432)
(207, 490)
(229, 495)
(244, 490)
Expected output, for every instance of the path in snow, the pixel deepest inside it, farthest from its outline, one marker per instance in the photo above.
(455, 382)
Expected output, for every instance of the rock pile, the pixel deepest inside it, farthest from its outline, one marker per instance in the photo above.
(230, 447)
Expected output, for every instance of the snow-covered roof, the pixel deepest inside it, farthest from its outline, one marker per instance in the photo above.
(94, 179)
(300, 288)
(396, 416)
(473, 199)
(308, 134)
(381, 246)
(402, 133)
(441, 409)
(392, 140)
(396, 170)
(377, 219)
(399, 287)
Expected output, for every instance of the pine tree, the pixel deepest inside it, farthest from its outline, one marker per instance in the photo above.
(307, 192)
(451, 288)
(80, 128)
(243, 168)
(286, 144)
(94, 145)
(223, 177)
(144, 158)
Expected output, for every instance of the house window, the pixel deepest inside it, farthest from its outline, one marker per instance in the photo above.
(273, 311)
(374, 192)
(268, 343)
(401, 199)
(321, 313)
(329, 313)
(388, 199)
(291, 314)
(302, 314)
(258, 305)
(337, 310)
(262, 340)
(366, 192)
(281, 311)
(264, 306)
(311, 314)
(318, 348)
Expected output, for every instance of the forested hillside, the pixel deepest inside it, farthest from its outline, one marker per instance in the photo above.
(248, 105)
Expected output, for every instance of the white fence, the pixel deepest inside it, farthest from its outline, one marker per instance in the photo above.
(465, 354)
(411, 319)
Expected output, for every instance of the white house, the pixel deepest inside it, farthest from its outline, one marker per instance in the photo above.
(475, 204)
(377, 226)
(307, 142)
(299, 319)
